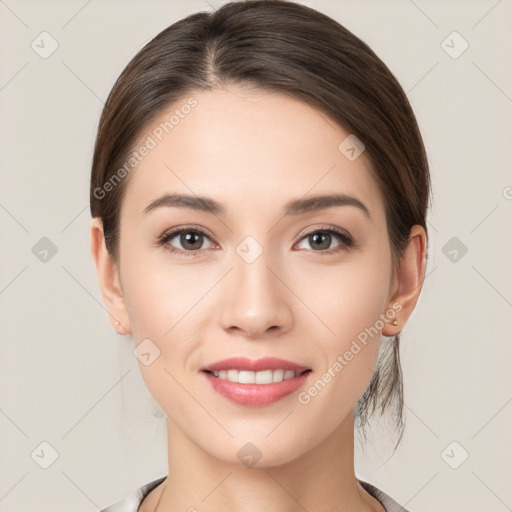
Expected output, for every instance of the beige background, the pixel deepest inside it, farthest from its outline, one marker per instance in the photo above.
(68, 380)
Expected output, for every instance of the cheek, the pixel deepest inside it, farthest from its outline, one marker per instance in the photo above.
(158, 294)
(164, 308)
(348, 297)
(348, 302)
(166, 304)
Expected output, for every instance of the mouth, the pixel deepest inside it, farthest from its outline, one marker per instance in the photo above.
(255, 382)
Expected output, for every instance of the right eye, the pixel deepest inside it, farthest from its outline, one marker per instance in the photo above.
(190, 239)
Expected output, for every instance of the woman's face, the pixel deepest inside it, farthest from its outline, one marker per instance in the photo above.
(261, 281)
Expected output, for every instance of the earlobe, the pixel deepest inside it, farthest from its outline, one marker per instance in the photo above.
(410, 275)
(108, 280)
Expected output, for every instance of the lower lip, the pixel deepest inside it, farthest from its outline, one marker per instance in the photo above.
(255, 394)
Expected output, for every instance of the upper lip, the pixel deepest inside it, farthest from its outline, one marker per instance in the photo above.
(255, 365)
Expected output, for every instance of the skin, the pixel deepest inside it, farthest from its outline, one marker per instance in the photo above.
(253, 152)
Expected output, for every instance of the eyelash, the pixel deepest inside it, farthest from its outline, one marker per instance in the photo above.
(346, 241)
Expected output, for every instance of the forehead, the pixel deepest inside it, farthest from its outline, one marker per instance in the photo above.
(246, 148)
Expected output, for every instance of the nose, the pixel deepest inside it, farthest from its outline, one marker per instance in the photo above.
(256, 303)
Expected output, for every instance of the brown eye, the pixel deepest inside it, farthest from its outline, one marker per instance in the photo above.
(191, 240)
(184, 241)
(321, 240)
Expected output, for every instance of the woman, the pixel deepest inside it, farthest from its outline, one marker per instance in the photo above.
(259, 194)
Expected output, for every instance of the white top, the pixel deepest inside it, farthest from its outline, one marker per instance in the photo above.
(132, 502)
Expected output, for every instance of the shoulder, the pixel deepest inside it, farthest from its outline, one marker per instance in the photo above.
(132, 502)
(387, 501)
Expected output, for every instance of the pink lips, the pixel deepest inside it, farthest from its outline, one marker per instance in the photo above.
(255, 394)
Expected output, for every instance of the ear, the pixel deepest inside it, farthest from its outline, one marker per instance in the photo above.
(408, 280)
(108, 279)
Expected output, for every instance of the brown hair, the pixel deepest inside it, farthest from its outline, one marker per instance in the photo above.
(281, 46)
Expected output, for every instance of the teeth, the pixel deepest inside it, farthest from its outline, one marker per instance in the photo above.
(263, 377)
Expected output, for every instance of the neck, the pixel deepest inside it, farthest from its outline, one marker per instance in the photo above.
(321, 479)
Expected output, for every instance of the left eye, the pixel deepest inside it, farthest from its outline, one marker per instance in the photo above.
(321, 239)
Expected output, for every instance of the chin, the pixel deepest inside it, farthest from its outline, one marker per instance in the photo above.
(255, 452)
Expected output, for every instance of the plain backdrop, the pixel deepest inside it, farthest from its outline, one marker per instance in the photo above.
(78, 429)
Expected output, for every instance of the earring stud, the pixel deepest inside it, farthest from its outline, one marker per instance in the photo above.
(394, 322)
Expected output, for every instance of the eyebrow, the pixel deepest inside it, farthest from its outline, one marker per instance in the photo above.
(294, 207)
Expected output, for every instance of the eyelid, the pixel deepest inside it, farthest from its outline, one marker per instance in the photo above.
(192, 227)
(326, 227)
